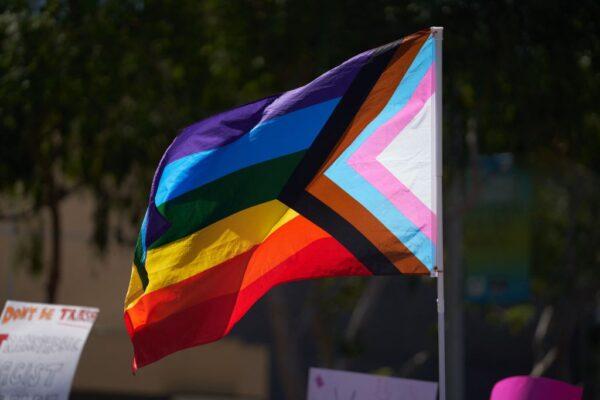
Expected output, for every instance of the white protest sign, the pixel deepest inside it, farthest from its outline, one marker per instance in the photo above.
(328, 384)
(40, 345)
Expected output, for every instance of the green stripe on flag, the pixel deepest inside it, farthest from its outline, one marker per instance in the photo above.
(214, 201)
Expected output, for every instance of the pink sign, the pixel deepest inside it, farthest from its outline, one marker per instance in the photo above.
(532, 388)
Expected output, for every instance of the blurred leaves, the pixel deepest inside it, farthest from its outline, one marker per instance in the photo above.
(96, 90)
(516, 318)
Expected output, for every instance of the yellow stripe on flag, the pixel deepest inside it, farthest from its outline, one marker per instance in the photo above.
(212, 245)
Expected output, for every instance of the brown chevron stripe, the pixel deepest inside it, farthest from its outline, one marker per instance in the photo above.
(327, 192)
(353, 212)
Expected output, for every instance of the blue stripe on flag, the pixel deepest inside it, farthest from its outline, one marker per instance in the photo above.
(361, 190)
(273, 138)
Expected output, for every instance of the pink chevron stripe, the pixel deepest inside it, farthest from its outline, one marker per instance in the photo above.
(365, 163)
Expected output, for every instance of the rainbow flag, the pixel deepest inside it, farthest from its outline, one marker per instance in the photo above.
(334, 178)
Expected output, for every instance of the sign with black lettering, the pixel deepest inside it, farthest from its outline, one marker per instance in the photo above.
(40, 345)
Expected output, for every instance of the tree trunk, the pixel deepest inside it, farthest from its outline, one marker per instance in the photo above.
(286, 347)
(361, 312)
(561, 327)
(569, 306)
(454, 290)
(55, 255)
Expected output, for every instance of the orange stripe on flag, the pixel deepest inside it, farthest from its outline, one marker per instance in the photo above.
(205, 307)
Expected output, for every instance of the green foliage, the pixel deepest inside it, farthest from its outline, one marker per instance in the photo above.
(98, 89)
(516, 318)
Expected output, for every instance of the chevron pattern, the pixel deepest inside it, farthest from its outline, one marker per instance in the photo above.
(334, 178)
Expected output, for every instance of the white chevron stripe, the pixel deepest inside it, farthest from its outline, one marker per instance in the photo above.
(409, 156)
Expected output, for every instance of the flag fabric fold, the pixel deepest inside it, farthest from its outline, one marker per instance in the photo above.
(335, 178)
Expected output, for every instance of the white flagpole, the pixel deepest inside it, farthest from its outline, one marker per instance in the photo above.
(438, 35)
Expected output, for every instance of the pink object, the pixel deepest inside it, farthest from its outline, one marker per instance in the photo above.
(364, 160)
(531, 388)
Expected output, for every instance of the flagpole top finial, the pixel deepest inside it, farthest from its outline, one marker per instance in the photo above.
(437, 31)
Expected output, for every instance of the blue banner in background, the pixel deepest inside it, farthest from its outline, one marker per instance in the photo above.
(497, 231)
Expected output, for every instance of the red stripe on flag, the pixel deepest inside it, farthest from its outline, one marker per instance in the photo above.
(211, 319)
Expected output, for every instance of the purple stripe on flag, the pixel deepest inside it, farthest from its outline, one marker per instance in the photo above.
(217, 130)
(227, 126)
(157, 225)
(330, 85)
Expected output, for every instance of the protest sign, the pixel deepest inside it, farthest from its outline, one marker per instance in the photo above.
(327, 384)
(40, 345)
